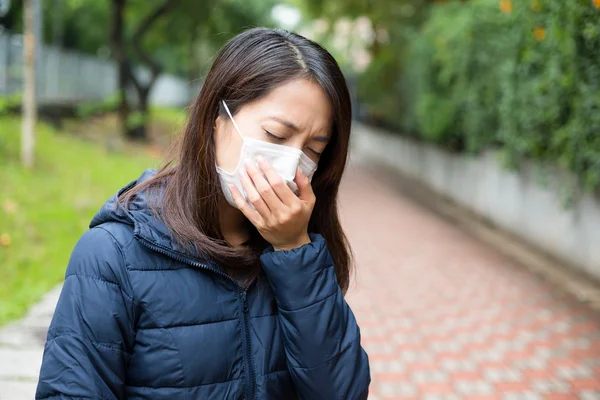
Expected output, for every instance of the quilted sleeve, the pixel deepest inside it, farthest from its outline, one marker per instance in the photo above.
(322, 340)
(90, 337)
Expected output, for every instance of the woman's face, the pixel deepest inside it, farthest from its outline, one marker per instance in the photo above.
(296, 114)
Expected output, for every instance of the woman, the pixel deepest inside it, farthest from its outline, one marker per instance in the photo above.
(222, 275)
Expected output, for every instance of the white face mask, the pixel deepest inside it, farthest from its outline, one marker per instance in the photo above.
(283, 159)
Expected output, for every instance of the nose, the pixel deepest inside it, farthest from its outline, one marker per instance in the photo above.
(298, 142)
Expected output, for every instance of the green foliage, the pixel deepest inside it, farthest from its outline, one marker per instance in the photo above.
(94, 108)
(453, 64)
(382, 105)
(44, 211)
(10, 104)
(173, 40)
(524, 79)
(137, 119)
(85, 24)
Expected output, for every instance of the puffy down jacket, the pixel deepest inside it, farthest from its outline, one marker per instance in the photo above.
(140, 318)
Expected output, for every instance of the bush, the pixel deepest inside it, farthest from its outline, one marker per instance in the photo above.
(10, 104)
(522, 77)
(95, 108)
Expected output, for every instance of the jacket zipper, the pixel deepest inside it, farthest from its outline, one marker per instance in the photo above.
(247, 348)
(173, 255)
(245, 310)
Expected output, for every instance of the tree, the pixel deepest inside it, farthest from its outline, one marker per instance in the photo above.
(119, 54)
(135, 128)
(29, 101)
(161, 43)
(380, 90)
(162, 36)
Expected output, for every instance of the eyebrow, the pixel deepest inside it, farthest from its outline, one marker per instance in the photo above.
(293, 127)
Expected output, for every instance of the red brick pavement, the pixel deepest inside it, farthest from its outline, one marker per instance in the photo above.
(443, 316)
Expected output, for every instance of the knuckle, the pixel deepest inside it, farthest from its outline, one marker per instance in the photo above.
(264, 190)
(267, 225)
(284, 218)
(261, 226)
(295, 209)
(277, 183)
(253, 198)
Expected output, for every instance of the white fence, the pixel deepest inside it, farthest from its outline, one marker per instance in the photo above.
(65, 75)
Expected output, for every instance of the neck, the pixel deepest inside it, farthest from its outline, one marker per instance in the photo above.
(233, 224)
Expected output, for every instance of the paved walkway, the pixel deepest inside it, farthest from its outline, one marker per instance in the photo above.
(442, 315)
(21, 348)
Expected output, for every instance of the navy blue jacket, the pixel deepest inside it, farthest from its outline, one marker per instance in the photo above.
(141, 318)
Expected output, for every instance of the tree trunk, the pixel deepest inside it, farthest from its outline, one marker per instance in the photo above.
(118, 52)
(124, 109)
(138, 128)
(29, 100)
(139, 131)
(135, 128)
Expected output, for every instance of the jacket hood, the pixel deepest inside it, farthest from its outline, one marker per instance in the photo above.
(139, 214)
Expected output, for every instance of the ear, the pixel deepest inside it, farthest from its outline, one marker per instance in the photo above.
(219, 124)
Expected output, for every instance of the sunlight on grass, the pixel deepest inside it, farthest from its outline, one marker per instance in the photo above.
(44, 211)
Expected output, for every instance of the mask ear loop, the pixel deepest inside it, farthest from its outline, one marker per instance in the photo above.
(232, 120)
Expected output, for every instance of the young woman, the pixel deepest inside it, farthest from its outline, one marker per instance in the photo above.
(222, 275)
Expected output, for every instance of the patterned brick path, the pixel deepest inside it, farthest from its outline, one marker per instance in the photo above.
(445, 317)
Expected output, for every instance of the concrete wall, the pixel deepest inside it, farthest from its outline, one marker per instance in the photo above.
(514, 200)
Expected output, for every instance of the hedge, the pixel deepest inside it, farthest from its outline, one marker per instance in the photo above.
(521, 76)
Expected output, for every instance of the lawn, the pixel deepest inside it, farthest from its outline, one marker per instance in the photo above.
(44, 211)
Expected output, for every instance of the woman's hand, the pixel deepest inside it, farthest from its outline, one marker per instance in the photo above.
(280, 216)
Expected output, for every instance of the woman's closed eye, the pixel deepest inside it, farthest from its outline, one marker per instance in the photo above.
(279, 139)
(316, 153)
(275, 138)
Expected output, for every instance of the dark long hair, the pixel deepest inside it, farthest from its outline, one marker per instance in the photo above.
(248, 67)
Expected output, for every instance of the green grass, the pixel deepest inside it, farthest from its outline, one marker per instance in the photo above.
(44, 211)
(175, 117)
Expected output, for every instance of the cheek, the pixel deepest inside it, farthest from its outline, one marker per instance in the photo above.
(227, 151)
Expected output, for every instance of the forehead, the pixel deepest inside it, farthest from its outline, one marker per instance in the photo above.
(302, 102)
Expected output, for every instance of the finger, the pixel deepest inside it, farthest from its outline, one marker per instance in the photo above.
(305, 189)
(253, 196)
(264, 189)
(252, 215)
(279, 186)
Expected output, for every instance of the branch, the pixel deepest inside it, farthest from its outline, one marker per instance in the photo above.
(143, 27)
(116, 41)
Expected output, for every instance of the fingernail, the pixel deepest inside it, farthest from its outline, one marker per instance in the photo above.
(261, 160)
(231, 186)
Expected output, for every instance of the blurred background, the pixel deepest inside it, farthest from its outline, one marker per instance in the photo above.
(472, 197)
